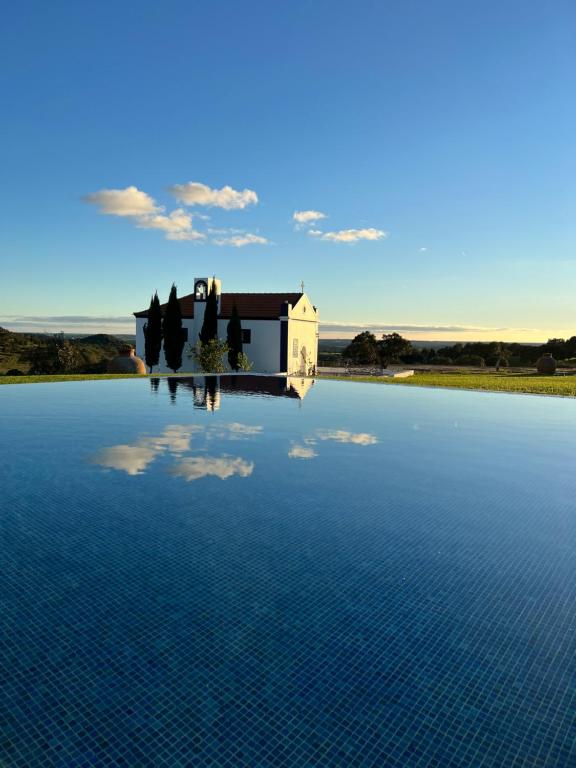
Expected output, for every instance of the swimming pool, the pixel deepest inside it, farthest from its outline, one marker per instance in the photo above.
(240, 572)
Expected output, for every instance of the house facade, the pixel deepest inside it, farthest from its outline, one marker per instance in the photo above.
(279, 330)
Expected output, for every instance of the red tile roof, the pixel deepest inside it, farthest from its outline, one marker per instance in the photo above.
(250, 306)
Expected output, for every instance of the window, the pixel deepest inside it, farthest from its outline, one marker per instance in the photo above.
(294, 347)
(246, 335)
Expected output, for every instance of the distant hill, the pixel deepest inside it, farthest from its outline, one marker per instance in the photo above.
(93, 351)
(104, 339)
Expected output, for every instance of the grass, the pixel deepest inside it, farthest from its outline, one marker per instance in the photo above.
(47, 379)
(521, 383)
(70, 377)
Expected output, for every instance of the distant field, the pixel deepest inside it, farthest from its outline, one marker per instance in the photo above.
(528, 383)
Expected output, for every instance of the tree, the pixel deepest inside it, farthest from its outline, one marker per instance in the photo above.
(234, 338)
(496, 353)
(153, 333)
(476, 360)
(210, 325)
(392, 347)
(172, 332)
(362, 350)
(55, 355)
(210, 355)
(557, 347)
(66, 352)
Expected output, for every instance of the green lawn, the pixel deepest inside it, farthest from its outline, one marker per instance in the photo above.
(529, 383)
(71, 377)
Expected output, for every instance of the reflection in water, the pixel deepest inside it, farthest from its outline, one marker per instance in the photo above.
(342, 436)
(175, 440)
(135, 458)
(233, 431)
(196, 467)
(298, 451)
(207, 390)
(172, 387)
(132, 459)
(306, 449)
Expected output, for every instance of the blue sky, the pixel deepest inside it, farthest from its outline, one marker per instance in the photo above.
(437, 138)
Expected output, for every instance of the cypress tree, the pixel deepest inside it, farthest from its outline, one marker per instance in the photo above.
(210, 325)
(172, 332)
(153, 333)
(234, 337)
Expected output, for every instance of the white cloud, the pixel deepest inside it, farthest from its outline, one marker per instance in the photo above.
(130, 201)
(197, 467)
(350, 235)
(243, 429)
(239, 241)
(307, 217)
(224, 231)
(132, 459)
(142, 209)
(177, 225)
(233, 431)
(423, 249)
(315, 232)
(342, 436)
(135, 458)
(302, 452)
(175, 438)
(195, 193)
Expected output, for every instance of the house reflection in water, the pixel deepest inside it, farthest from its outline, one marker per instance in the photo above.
(207, 391)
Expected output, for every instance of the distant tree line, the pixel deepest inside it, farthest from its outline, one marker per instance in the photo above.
(366, 350)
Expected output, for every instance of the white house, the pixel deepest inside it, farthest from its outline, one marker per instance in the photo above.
(279, 330)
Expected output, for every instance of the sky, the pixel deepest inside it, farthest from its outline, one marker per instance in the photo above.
(413, 162)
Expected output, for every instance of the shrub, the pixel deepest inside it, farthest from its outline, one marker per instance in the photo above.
(243, 363)
(210, 355)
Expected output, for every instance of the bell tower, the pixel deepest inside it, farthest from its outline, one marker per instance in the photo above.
(202, 288)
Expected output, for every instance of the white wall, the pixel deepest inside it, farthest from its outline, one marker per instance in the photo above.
(187, 364)
(264, 349)
(302, 337)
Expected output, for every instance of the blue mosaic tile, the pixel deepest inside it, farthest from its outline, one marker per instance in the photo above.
(370, 576)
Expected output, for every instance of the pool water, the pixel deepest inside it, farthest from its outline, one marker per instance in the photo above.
(240, 572)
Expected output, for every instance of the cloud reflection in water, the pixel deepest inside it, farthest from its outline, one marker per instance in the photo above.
(196, 467)
(175, 440)
(301, 452)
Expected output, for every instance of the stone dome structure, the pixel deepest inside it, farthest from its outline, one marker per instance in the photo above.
(126, 362)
